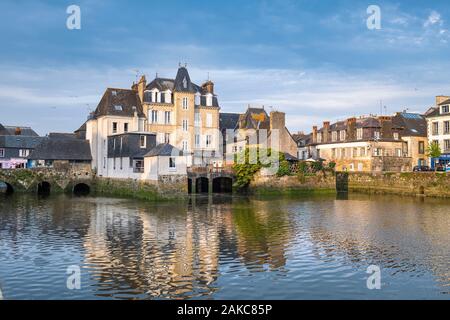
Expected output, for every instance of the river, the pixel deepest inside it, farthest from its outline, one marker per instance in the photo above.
(224, 247)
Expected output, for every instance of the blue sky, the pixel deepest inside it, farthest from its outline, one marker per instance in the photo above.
(315, 60)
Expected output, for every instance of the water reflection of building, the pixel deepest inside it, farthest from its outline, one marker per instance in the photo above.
(160, 252)
(398, 235)
(262, 234)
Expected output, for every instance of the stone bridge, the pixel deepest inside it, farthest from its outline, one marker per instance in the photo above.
(73, 179)
(210, 180)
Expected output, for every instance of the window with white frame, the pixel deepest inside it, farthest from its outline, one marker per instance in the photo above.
(185, 103)
(343, 135)
(142, 141)
(168, 97)
(185, 145)
(114, 127)
(445, 109)
(334, 136)
(167, 116)
(359, 133)
(362, 152)
(377, 152)
(209, 120)
(398, 152)
(208, 141)
(2, 153)
(172, 163)
(396, 136)
(209, 99)
(435, 128)
(376, 135)
(154, 116)
(185, 125)
(446, 127)
(197, 141)
(446, 145)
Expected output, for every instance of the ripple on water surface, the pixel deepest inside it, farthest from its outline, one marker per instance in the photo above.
(231, 248)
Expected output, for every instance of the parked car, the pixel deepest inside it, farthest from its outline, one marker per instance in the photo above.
(421, 168)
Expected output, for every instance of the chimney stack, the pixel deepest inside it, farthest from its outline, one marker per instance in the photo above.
(314, 134)
(326, 130)
(141, 88)
(277, 120)
(18, 131)
(208, 86)
(351, 129)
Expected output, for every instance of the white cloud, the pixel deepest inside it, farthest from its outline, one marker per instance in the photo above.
(57, 99)
(433, 19)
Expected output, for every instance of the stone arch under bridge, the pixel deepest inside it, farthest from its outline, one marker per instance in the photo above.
(45, 180)
(205, 180)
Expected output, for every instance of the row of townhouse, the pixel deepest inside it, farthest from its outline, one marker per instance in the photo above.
(381, 143)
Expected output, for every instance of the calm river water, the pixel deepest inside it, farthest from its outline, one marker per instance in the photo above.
(225, 248)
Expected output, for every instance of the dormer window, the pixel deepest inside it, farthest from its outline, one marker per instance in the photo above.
(118, 108)
(168, 96)
(396, 136)
(185, 83)
(376, 135)
(114, 93)
(334, 136)
(445, 109)
(359, 133)
(343, 135)
(209, 100)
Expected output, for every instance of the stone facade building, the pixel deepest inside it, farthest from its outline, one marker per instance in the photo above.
(182, 114)
(255, 128)
(362, 144)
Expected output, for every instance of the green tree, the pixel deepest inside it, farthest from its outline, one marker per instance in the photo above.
(434, 150)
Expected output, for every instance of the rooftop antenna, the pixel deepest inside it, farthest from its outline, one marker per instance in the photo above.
(381, 107)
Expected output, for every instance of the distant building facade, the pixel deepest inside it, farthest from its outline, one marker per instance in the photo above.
(61, 151)
(363, 144)
(303, 145)
(16, 144)
(414, 134)
(438, 129)
(255, 128)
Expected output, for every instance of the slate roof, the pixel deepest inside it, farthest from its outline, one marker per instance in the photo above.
(20, 142)
(11, 131)
(228, 120)
(164, 149)
(60, 148)
(119, 102)
(177, 84)
(254, 117)
(413, 124)
(306, 138)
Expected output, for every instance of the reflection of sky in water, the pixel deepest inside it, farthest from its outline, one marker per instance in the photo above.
(275, 248)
